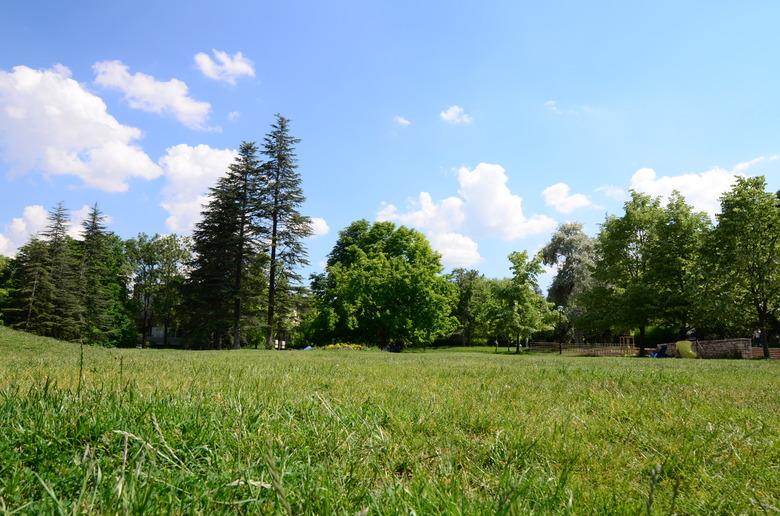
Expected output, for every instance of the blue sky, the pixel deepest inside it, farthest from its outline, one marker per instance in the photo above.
(483, 124)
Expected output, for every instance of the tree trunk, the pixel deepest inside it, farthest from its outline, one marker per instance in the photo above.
(269, 331)
(764, 334)
(32, 300)
(517, 344)
(642, 340)
(165, 333)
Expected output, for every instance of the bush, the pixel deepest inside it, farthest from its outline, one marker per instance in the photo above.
(343, 345)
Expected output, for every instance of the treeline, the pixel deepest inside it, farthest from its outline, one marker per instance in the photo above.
(658, 271)
(234, 282)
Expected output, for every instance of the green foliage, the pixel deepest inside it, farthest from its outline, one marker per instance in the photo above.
(743, 259)
(281, 197)
(343, 345)
(473, 292)
(6, 285)
(517, 308)
(157, 267)
(573, 254)
(674, 264)
(226, 246)
(167, 431)
(383, 285)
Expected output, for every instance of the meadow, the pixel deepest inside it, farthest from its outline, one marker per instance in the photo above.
(378, 433)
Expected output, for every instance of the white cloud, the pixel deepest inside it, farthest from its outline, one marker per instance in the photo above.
(319, 227)
(455, 115)
(226, 68)
(34, 220)
(551, 105)
(456, 250)
(484, 206)
(146, 93)
(399, 120)
(233, 116)
(190, 172)
(50, 123)
(493, 209)
(613, 192)
(20, 229)
(702, 190)
(440, 217)
(560, 198)
(439, 220)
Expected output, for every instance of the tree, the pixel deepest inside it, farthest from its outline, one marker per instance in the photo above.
(225, 242)
(674, 263)
(519, 309)
(745, 253)
(282, 198)
(383, 284)
(31, 301)
(65, 320)
(142, 252)
(573, 253)
(173, 254)
(5, 285)
(472, 292)
(620, 273)
(101, 280)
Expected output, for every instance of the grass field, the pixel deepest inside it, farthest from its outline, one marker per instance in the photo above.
(344, 431)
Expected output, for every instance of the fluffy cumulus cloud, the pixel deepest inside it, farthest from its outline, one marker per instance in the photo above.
(189, 173)
(50, 123)
(224, 67)
(146, 93)
(438, 220)
(403, 122)
(20, 229)
(484, 206)
(456, 250)
(439, 217)
(319, 227)
(34, 220)
(492, 208)
(702, 190)
(456, 115)
(560, 198)
(613, 192)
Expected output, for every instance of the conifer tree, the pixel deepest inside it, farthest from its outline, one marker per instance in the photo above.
(225, 243)
(96, 278)
(65, 319)
(31, 300)
(282, 198)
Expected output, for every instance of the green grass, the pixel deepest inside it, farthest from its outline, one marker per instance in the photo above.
(341, 431)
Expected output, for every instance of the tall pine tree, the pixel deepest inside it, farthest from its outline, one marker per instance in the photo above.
(225, 243)
(282, 198)
(66, 317)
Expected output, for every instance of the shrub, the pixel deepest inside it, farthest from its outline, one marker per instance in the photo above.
(344, 345)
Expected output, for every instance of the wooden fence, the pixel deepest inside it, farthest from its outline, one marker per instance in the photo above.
(596, 349)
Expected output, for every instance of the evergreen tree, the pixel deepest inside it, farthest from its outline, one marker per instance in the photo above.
(31, 302)
(225, 243)
(282, 198)
(66, 317)
(95, 278)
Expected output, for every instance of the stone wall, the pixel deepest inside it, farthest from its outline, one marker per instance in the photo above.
(729, 348)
